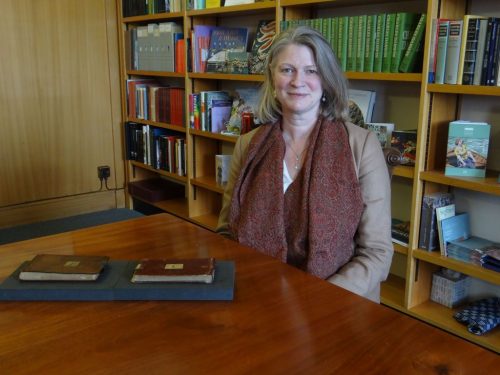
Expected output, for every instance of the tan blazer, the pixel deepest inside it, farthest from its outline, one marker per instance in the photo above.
(373, 251)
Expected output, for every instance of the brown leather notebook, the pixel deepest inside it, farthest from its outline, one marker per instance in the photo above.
(52, 267)
(175, 270)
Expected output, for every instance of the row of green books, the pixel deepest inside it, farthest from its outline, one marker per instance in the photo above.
(385, 42)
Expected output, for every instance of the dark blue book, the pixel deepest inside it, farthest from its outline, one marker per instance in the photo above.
(13, 289)
(222, 288)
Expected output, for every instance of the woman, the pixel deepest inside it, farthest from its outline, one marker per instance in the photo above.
(308, 187)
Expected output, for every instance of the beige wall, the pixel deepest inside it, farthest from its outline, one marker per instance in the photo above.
(59, 108)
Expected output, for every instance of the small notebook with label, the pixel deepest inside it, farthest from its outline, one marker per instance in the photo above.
(53, 267)
(199, 270)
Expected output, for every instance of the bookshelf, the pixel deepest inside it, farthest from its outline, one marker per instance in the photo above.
(403, 98)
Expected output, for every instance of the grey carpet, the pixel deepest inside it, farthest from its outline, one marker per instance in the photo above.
(44, 228)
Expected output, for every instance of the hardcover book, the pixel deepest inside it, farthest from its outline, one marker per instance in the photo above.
(365, 100)
(383, 130)
(222, 41)
(406, 142)
(428, 233)
(220, 114)
(400, 231)
(453, 52)
(266, 31)
(442, 47)
(174, 270)
(469, 250)
(467, 149)
(411, 61)
(405, 25)
(455, 228)
(222, 165)
(443, 213)
(468, 51)
(63, 268)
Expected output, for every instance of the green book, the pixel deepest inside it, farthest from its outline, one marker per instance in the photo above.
(390, 25)
(379, 42)
(409, 62)
(405, 24)
(326, 29)
(360, 51)
(342, 41)
(334, 29)
(352, 43)
(371, 28)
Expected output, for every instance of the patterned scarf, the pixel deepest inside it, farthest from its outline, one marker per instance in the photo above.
(313, 224)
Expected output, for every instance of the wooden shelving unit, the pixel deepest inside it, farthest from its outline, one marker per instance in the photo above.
(435, 106)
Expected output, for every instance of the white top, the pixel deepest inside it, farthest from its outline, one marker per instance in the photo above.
(287, 180)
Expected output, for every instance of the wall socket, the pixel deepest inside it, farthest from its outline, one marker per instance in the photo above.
(103, 172)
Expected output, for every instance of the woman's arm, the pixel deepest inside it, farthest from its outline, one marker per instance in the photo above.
(373, 244)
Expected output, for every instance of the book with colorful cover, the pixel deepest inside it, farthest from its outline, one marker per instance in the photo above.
(266, 32)
(365, 100)
(406, 142)
(222, 41)
(220, 112)
(383, 130)
(200, 47)
(400, 231)
(467, 148)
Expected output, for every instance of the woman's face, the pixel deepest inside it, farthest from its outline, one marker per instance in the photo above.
(297, 81)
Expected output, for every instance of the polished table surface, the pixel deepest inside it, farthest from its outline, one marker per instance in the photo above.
(282, 320)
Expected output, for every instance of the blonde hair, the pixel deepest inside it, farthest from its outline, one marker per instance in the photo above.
(335, 104)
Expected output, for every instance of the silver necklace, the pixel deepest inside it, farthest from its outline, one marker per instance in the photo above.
(297, 156)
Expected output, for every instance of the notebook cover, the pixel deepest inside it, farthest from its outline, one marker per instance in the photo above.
(222, 288)
(44, 266)
(174, 270)
(13, 289)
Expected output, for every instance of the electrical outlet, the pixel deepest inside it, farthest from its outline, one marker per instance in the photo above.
(103, 172)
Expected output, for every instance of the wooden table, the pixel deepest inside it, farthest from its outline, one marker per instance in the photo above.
(282, 320)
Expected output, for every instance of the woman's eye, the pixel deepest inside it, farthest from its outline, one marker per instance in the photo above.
(311, 71)
(286, 70)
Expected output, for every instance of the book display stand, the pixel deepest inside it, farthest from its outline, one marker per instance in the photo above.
(114, 285)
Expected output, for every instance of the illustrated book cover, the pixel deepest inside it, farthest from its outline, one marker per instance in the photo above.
(63, 267)
(224, 40)
(383, 130)
(406, 142)
(467, 148)
(266, 31)
(174, 270)
(400, 231)
(365, 100)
